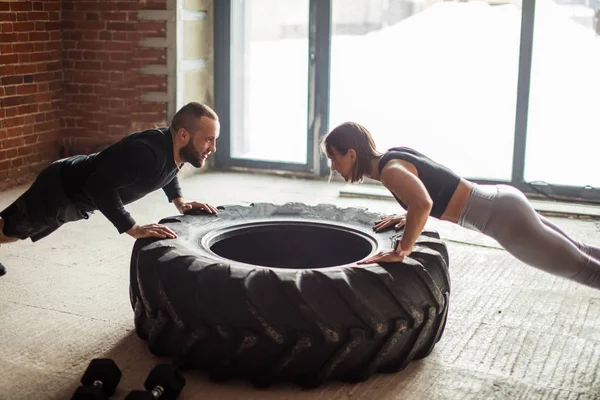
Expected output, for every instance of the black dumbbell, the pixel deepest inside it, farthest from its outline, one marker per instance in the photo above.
(99, 380)
(164, 382)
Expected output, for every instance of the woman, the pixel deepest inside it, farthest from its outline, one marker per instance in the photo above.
(425, 188)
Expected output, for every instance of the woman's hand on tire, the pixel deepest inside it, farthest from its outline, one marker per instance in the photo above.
(151, 230)
(397, 221)
(385, 257)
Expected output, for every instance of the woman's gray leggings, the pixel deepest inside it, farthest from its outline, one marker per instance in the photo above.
(504, 213)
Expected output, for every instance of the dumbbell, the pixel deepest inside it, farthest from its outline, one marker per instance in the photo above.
(164, 382)
(99, 380)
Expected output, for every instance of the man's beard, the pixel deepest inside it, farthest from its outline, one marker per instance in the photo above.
(189, 154)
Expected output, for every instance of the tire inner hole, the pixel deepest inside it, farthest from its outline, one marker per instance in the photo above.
(290, 245)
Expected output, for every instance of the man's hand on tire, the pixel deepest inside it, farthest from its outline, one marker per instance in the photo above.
(151, 230)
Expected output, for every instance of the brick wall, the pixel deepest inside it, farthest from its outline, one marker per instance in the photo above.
(71, 79)
(31, 88)
(102, 58)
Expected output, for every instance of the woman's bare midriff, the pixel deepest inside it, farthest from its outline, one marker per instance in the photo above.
(457, 201)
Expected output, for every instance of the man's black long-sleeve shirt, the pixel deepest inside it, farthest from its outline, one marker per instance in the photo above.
(126, 171)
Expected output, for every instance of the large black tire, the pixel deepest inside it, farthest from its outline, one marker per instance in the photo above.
(317, 316)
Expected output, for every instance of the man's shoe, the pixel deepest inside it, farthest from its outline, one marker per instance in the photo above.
(2, 270)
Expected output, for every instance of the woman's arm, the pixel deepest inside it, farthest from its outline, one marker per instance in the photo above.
(401, 178)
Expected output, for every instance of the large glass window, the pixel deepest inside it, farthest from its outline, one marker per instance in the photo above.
(563, 135)
(439, 76)
(269, 80)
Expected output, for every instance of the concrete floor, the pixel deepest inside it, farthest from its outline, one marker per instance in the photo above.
(513, 332)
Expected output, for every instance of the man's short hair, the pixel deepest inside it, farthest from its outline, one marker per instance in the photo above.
(188, 114)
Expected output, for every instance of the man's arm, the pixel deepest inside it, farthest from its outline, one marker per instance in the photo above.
(134, 163)
(174, 194)
(173, 190)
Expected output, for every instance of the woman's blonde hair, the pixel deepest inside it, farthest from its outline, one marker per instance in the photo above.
(352, 135)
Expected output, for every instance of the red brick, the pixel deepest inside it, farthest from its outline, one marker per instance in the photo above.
(14, 121)
(103, 55)
(69, 45)
(23, 26)
(90, 25)
(29, 119)
(119, 36)
(150, 26)
(152, 80)
(8, 37)
(43, 56)
(7, 16)
(20, 5)
(75, 54)
(120, 26)
(105, 35)
(12, 80)
(119, 46)
(43, 126)
(67, 5)
(135, 37)
(114, 66)
(91, 35)
(151, 54)
(52, 26)
(84, 5)
(23, 47)
(155, 4)
(67, 25)
(23, 151)
(124, 5)
(25, 69)
(52, 6)
(96, 45)
(6, 27)
(42, 97)
(11, 111)
(39, 36)
(88, 65)
(92, 16)
(114, 16)
(14, 141)
(119, 56)
(53, 46)
(27, 89)
(37, 16)
(42, 107)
